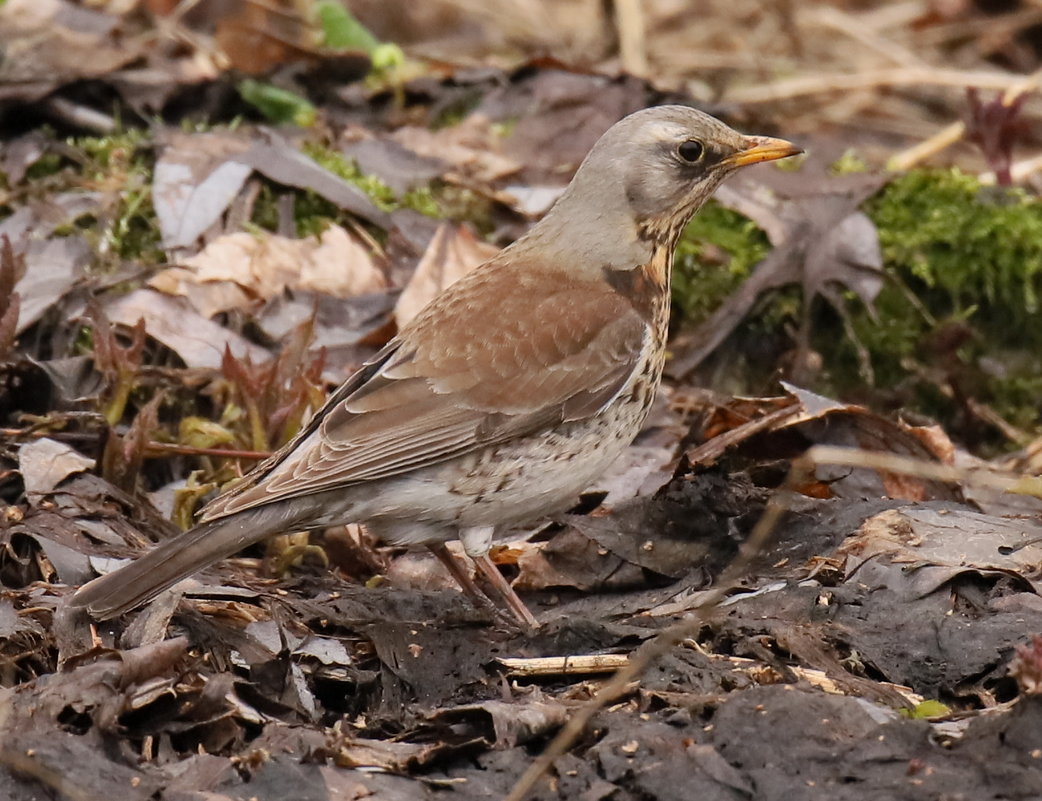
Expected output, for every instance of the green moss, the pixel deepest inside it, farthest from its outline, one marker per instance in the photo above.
(959, 308)
(119, 168)
(966, 245)
(956, 251)
(383, 197)
(47, 165)
(717, 251)
(850, 162)
(961, 258)
(460, 203)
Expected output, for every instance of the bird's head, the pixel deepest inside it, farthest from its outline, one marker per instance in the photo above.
(668, 161)
(651, 171)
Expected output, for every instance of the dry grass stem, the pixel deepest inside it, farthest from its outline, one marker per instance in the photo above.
(875, 79)
(875, 460)
(563, 665)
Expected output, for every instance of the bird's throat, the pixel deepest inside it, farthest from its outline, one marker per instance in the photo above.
(647, 287)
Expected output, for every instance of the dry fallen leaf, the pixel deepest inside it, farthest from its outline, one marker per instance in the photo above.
(195, 179)
(784, 430)
(452, 253)
(932, 545)
(49, 42)
(395, 165)
(46, 463)
(237, 269)
(199, 174)
(470, 149)
(172, 321)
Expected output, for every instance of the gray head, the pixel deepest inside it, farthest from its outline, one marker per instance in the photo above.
(647, 175)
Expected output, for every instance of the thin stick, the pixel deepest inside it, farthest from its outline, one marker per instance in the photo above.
(151, 448)
(877, 460)
(855, 28)
(954, 132)
(563, 665)
(80, 116)
(901, 76)
(632, 44)
(917, 154)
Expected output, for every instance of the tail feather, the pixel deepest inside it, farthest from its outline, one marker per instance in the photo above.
(177, 558)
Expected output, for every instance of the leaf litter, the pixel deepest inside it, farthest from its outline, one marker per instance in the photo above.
(315, 668)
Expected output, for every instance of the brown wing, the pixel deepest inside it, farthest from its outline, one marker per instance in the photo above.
(504, 353)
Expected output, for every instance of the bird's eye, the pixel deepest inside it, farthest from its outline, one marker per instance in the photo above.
(691, 150)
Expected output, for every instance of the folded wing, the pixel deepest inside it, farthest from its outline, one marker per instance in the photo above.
(466, 374)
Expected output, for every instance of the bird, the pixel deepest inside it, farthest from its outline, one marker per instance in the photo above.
(507, 395)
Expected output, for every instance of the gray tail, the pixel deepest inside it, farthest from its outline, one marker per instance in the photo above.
(177, 558)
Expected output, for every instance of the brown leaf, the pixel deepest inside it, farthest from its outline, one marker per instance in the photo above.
(395, 165)
(236, 270)
(259, 37)
(470, 149)
(124, 456)
(453, 253)
(52, 269)
(110, 357)
(199, 342)
(782, 429)
(46, 463)
(942, 543)
(195, 179)
(12, 268)
(47, 43)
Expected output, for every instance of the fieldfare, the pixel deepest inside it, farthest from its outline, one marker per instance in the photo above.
(508, 395)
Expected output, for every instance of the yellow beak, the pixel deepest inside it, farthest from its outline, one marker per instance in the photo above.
(762, 148)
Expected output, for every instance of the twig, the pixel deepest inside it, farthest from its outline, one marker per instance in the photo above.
(80, 116)
(629, 20)
(663, 642)
(876, 460)
(152, 448)
(563, 665)
(901, 76)
(954, 132)
(814, 677)
(854, 27)
(941, 140)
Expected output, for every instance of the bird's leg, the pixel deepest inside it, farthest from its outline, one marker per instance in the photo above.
(471, 590)
(476, 542)
(505, 591)
(466, 583)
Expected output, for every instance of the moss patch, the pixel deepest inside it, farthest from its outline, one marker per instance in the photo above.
(717, 251)
(958, 317)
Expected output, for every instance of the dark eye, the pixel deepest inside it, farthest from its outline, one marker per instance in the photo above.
(691, 150)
